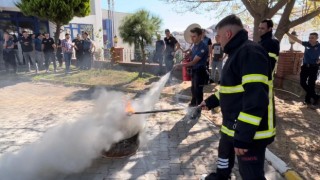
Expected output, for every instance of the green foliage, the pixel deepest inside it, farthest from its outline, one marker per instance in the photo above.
(57, 11)
(139, 27)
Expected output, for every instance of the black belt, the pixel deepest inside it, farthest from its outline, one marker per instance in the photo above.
(310, 65)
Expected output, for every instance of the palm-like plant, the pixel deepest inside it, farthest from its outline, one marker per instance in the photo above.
(139, 29)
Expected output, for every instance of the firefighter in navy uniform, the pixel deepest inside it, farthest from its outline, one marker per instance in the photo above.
(199, 60)
(248, 118)
(270, 44)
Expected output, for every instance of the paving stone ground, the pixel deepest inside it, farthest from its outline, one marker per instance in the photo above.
(175, 146)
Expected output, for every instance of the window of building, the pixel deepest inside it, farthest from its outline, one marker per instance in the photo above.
(16, 22)
(75, 29)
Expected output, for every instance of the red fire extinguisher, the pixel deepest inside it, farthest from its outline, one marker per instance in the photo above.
(186, 71)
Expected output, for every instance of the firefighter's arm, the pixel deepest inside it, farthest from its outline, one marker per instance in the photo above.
(254, 72)
(213, 101)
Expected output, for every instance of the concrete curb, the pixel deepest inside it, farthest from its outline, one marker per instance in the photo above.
(281, 166)
(292, 175)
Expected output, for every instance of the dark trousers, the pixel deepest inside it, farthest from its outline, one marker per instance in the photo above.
(48, 57)
(251, 165)
(79, 58)
(158, 57)
(308, 77)
(168, 60)
(86, 60)
(9, 59)
(198, 79)
(59, 56)
(16, 55)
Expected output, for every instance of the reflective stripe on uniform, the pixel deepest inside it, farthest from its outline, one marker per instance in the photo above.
(248, 118)
(252, 78)
(258, 135)
(231, 89)
(217, 94)
(270, 106)
(273, 55)
(265, 134)
(227, 131)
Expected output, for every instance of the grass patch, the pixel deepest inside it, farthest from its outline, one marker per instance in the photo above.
(99, 77)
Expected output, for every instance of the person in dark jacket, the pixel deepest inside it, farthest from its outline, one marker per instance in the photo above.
(79, 50)
(88, 50)
(310, 67)
(269, 43)
(8, 53)
(16, 50)
(59, 54)
(248, 124)
(171, 46)
(158, 55)
(48, 48)
(38, 54)
(27, 51)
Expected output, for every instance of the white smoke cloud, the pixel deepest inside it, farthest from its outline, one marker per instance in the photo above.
(71, 147)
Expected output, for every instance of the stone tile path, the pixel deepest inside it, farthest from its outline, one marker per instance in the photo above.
(173, 146)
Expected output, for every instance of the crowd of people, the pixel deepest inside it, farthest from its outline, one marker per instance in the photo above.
(245, 95)
(39, 50)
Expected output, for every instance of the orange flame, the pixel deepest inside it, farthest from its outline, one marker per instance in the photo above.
(129, 108)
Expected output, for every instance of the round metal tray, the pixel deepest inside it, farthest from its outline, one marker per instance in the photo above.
(124, 148)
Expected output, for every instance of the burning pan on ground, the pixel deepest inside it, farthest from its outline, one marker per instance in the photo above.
(129, 146)
(123, 148)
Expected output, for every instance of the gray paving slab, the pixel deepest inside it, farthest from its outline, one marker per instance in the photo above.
(176, 147)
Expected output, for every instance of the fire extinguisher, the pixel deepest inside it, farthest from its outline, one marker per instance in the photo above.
(186, 71)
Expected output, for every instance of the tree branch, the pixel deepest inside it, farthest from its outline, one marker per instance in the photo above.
(304, 18)
(276, 8)
(251, 10)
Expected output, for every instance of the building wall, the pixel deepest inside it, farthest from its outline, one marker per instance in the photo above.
(94, 19)
(128, 51)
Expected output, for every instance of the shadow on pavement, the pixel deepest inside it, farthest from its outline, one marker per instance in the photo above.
(171, 153)
(81, 95)
(11, 79)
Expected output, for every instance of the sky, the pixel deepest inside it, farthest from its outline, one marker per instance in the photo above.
(170, 18)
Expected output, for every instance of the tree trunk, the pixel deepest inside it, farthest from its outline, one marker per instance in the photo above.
(143, 58)
(281, 30)
(284, 22)
(57, 33)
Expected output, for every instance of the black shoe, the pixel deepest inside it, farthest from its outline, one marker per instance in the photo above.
(211, 81)
(307, 102)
